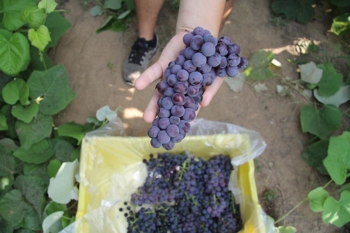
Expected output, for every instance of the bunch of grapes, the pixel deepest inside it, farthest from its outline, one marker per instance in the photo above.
(204, 58)
(182, 194)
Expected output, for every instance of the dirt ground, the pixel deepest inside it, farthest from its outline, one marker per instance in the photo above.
(280, 168)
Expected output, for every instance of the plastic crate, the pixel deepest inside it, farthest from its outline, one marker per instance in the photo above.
(102, 156)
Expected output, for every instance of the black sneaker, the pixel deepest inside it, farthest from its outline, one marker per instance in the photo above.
(140, 56)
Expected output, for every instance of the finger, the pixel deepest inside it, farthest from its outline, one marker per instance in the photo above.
(151, 74)
(152, 108)
(210, 91)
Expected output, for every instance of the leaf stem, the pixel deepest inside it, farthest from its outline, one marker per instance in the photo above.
(294, 208)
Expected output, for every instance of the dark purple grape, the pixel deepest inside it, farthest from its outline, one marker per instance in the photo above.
(161, 86)
(196, 42)
(189, 102)
(184, 127)
(180, 60)
(181, 52)
(163, 123)
(181, 87)
(163, 113)
(199, 31)
(197, 98)
(167, 72)
(171, 80)
(221, 48)
(225, 39)
(163, 137)
(178, 99)
(167, 103)
(208, 49)
(177, 110)
(205, 69)
(233, 60)
(178, 138)
(187, 39)
(192, 90)
(223, 63)
(189, 115)
(153, 131)
(243, 64)
(155, 143)
(172, 130)
(188, 65)
(234, 48)
(155, 122)
(175, 69)
(169, 145)
(182, 75)
(168, 91)
(210, 38)
(199, 60)
(195, 78)
(232, 71)
(207, 79)
(174, 120)
(171, 64)
(221, 72)
(214, 60)
(188, 53)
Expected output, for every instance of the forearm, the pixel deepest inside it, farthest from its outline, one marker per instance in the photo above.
(204, 13)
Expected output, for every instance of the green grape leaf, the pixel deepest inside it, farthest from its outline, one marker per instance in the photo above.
(287, 229)
(48, 5)
(96, 10)
(62, 188)
(317, 197)
(3, 122)
(12, 13)
(57, 26)
(124, 14)
(310, 73)
(258, 68)
(34, 132)
(39, 38)
(53, 167)
(338, 160)
(62, 149)
(299, 10)
(7, 162)
(330, 82)
(8, 143)
(129, 4)
(11, 121)
(53, 207)
(12, 208)
(112, 24)
(14, 53)
(315, 154)
(53, 86)
(341, 25)
(75, 154)
(33, 188)
(320, 122)
(37, 154)
(5, 226)
(113, 4)
(72, 130)
(15, 90)
(337, 212)
(342, 96)
(36, 63)
(30, 169)
(25, 114)
(31, 222)
(52, 223)
(33, 16)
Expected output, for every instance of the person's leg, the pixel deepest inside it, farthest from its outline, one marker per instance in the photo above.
(147, 13)
(146, 45)
(227, 11)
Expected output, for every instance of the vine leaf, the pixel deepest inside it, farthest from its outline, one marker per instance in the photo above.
(330, 82)
(34, 132)
(317, 197)
(342, 96)
(337, 212)
(3, 122)
(33, 16)
(48, 5)
(52, 223)
(300, 10)
(338, 160)
(315, 154)
(53, 167)
(53, 207)
(37, 154)
(62, 188)
(30, 169)
(53, 86)
(25, 114)
(15, 90)
(12, 13)
(96, 10)
(57, 26)
(320, 122)
(105, 113)
(341, 25)
(7, 162)
(287, 229)
(31, 222)
(39, 38)
(12, 208)
(113, 4)
(112, 24)
(62, 149)
(309, 72)
(14, 53)
(72, 130)
(258, 68)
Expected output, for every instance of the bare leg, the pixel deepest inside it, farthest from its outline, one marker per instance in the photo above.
(227, 11)
(147, 14)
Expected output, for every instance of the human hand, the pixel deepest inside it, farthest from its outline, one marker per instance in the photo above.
(156, 71)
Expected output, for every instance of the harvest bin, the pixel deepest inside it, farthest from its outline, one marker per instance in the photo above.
(110, 165)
